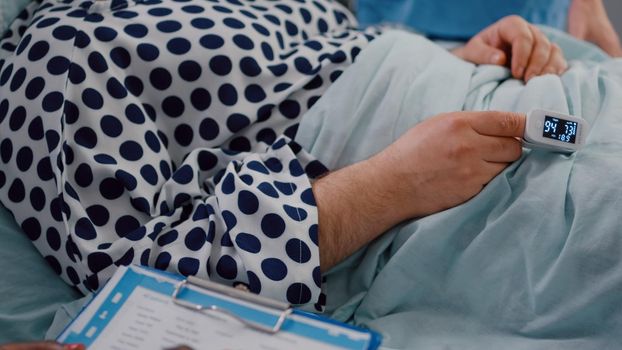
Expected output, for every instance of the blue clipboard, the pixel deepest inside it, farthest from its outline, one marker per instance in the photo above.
(264, 316)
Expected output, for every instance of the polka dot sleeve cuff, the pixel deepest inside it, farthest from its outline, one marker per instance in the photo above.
(253, 222)
(261, 226)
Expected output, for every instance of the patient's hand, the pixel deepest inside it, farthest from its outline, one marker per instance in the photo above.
(446, 160)
(515, 43)
(588, 20)
(438, 164)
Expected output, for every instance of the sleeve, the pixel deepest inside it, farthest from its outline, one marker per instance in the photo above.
(253, 222)
(95, 184)
(235, 218)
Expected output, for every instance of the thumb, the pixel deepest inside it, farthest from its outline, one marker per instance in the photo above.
(479, 52)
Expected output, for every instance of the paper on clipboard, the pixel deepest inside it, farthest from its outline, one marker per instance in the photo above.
(135, 311)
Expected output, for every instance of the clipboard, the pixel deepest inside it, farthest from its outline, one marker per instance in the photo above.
(144, 308)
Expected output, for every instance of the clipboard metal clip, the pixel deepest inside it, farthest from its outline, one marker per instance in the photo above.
(284, 308)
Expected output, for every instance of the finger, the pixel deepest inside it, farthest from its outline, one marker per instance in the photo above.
(494, 123)
(539, 54)
(515, 30)
(557, 63)
(479, 52)
(492, 169)
(500, 149)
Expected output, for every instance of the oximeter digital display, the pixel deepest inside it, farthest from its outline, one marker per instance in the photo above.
(560, 129)
(555, 131)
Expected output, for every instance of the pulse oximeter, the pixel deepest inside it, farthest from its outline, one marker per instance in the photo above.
(555, 131)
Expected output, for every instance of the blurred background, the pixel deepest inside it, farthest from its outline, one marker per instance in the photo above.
(614, 8)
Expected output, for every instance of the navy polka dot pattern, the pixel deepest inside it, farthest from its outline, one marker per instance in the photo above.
(159, 133)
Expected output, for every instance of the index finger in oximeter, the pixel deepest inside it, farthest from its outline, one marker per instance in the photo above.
(555, 131)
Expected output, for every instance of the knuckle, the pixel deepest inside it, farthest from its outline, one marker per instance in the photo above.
(562, 63)
(544, 44)
(460, 151)
(563, 67)
(510, 122)
(456, 124)
(524, 36)
(502, 147)
(555, 49)
(515, 20)
(542, 50)
(515, 150)
(519, 150)
(525, 41)
(536, 33)
(467, 172)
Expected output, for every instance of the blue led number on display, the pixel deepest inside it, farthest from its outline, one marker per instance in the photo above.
(559, 129)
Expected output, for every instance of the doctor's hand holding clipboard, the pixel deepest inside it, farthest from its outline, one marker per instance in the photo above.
(43, 345)
(51, 345)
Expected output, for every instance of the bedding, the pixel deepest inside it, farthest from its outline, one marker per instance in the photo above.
(30, 292)
(532, 262)
(9, 9)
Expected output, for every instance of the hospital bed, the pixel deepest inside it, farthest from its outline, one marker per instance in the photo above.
(532, 262)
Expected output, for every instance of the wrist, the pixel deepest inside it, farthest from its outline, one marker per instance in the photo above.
(387, 184)
(353, 209)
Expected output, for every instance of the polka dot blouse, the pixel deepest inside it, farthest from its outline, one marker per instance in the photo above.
(159, 132)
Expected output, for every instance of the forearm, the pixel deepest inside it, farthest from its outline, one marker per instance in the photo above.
(353, 208)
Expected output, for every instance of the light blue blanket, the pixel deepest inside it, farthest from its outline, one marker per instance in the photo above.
(535, 260)
(9, 9)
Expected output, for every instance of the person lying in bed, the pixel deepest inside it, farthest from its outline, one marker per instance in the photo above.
(160, 133)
